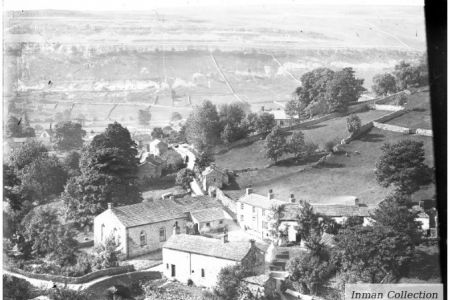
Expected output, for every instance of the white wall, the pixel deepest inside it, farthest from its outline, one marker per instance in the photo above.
(110, 222)
(189, 266)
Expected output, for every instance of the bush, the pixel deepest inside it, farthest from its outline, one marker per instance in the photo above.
(329, 146)
(82, 267)
(16, 288)
(68, 294)
(353, 123)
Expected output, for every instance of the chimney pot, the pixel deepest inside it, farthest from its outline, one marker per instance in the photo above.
(248, 191)
(292, 198)
(110, 205)
(252, 242)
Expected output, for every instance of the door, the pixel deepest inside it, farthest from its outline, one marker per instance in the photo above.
(173, 271)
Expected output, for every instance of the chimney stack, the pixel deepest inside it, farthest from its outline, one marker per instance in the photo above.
(248, 191)
(270, 194)
(110, 205)
(252, 242)
(292, 198)
(176, 229)
(357, 202)
(225, 237)
(262, 108)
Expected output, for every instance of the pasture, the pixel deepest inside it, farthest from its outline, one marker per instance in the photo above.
(340, 175)
(420, 114)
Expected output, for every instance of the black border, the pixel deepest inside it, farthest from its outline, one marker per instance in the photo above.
(436, 29)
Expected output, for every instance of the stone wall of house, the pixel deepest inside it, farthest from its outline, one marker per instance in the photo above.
(152, 234)
(226, 201)
(112, 227)
(189, 266)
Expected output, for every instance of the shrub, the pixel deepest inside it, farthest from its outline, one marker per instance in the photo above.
(16, 288)
(353, 123)
(82, 267)
(329, 146)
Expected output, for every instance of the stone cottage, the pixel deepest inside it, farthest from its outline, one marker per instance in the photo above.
(150, 166)
(214, 176)
(208, 219)
(144, 227)
(157, 147)
(200, 259)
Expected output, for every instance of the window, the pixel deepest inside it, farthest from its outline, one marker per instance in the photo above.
(162, 234)
(143, 238)
(242, 218)
(102, 232)
(253, 209)
(203, 272)
(242, 205)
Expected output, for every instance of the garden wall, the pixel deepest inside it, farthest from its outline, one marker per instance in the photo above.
(387, 107)
(425, 132)
(393, 128)
(226, 202)
(74, 280)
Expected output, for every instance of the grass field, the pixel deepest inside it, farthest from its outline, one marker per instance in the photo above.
(252, 156)
(420, 116)
(341, 175)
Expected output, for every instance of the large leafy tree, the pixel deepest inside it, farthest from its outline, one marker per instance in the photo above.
(203, 126)
(295, 108)
(343, 89)
(372, 253)
(26, 153)
(229, 280)
(407, 75)
(296, 144)
(48, 236)
(16, 288)
(184, 178)
(353, 123)
(308, 221)
(43, 177)
(265, 122)
(392, 212)
(108, 174)
(12, 188)
(69, 135)
(402, 165)
(314, 85)
(275, 144)
(384, 84)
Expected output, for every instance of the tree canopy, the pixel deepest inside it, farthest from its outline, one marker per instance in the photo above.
(69, 135)
(402, 165)
(275, 144)
(384, 84)
(353, 123)
(203, 125)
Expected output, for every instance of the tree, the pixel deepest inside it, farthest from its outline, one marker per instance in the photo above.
(14, 127)
(26, 153)
(106, 255)
(343, 89)
(232, 114)
(384, 84)
(43, 177)
(273, 220)
(157, 133)
(108, 168)
(203, 126)
(228, 282)
(12, 188)
(176, 116)
(72, 163)
(308, 221)
(353, 123)
(265, 123)
(275, 144)
(68, 294)
(309, 273)
(295, 108)
(392, 212)
(184, 178)
(372, 253)
(204, 159)
(402, 165)
(48, 236)
(251, 122)
(16, 288)
(314, 85)
(406, 75)
(69, 135)
(296, 144)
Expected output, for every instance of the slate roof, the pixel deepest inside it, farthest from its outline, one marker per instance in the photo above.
(330, 210)
(160, 210)
(211, 169)
(208, 214)
(150, 158)
(197, 244)
(260, 201)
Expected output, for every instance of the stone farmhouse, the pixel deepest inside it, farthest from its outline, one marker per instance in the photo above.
(252, 212)
(214, 176)
(144, 227)
(208, 219)
(200, 259)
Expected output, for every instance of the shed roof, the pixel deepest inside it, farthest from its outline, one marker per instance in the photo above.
(213, 168)
(330, 210)
(208, 214)
(197, 244)
(160, 210)
(257, 280)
